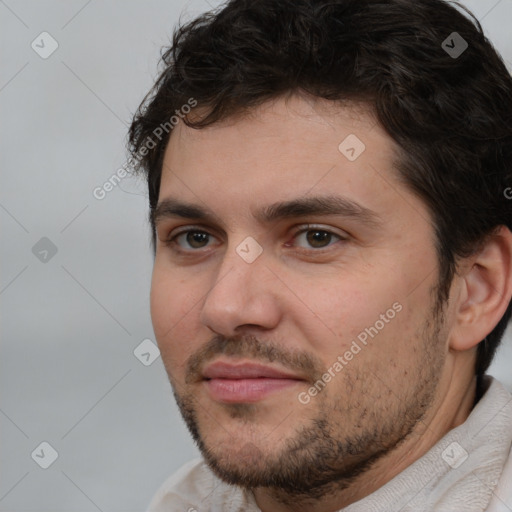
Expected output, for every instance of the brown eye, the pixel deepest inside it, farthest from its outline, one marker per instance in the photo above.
(197, 239)
(190, 240)
(316, 239)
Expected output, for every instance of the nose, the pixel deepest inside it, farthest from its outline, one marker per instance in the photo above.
(243, 295)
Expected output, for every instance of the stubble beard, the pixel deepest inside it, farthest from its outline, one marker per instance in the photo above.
(344, 438)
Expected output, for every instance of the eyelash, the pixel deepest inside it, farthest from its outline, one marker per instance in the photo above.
(172, 243)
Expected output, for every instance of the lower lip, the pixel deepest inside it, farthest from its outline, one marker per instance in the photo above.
(246, 390)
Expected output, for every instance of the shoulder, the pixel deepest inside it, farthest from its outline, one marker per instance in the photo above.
(184, 489)
(502, 495)
(501, 500)
(194, 488)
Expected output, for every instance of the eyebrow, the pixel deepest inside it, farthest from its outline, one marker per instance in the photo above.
(301, 207)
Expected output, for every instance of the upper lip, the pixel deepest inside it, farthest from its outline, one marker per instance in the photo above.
(220, 370)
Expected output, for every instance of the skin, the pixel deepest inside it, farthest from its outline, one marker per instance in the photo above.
(304, 300)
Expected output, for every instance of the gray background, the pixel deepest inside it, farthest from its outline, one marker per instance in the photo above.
(71, 322)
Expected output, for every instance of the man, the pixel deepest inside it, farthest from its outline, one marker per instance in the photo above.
(333, 256)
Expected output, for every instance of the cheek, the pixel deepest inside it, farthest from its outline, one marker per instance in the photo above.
(170, 303)
(331, 316)
(162, 306)
(175, 309)
(350, 306)
(377, 314)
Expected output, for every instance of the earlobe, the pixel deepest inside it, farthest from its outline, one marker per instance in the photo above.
(486, 291)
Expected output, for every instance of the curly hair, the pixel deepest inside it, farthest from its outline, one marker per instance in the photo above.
(450, 115)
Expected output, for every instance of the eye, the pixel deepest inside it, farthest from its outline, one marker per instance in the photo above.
(311, 237)
(190, 239)
(317, 238)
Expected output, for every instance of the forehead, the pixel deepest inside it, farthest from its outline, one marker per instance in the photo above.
(281, 150)
(288, 128)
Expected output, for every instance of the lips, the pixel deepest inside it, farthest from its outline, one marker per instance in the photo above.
(245, 382)
(245, 371)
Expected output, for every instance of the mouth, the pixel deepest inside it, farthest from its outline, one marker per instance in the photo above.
(246, 382)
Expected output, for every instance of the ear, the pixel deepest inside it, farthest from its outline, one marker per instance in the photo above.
(486, 291)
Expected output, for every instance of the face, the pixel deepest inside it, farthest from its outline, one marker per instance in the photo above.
(292, 294)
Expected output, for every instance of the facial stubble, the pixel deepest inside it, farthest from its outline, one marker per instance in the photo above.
(339, 437)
